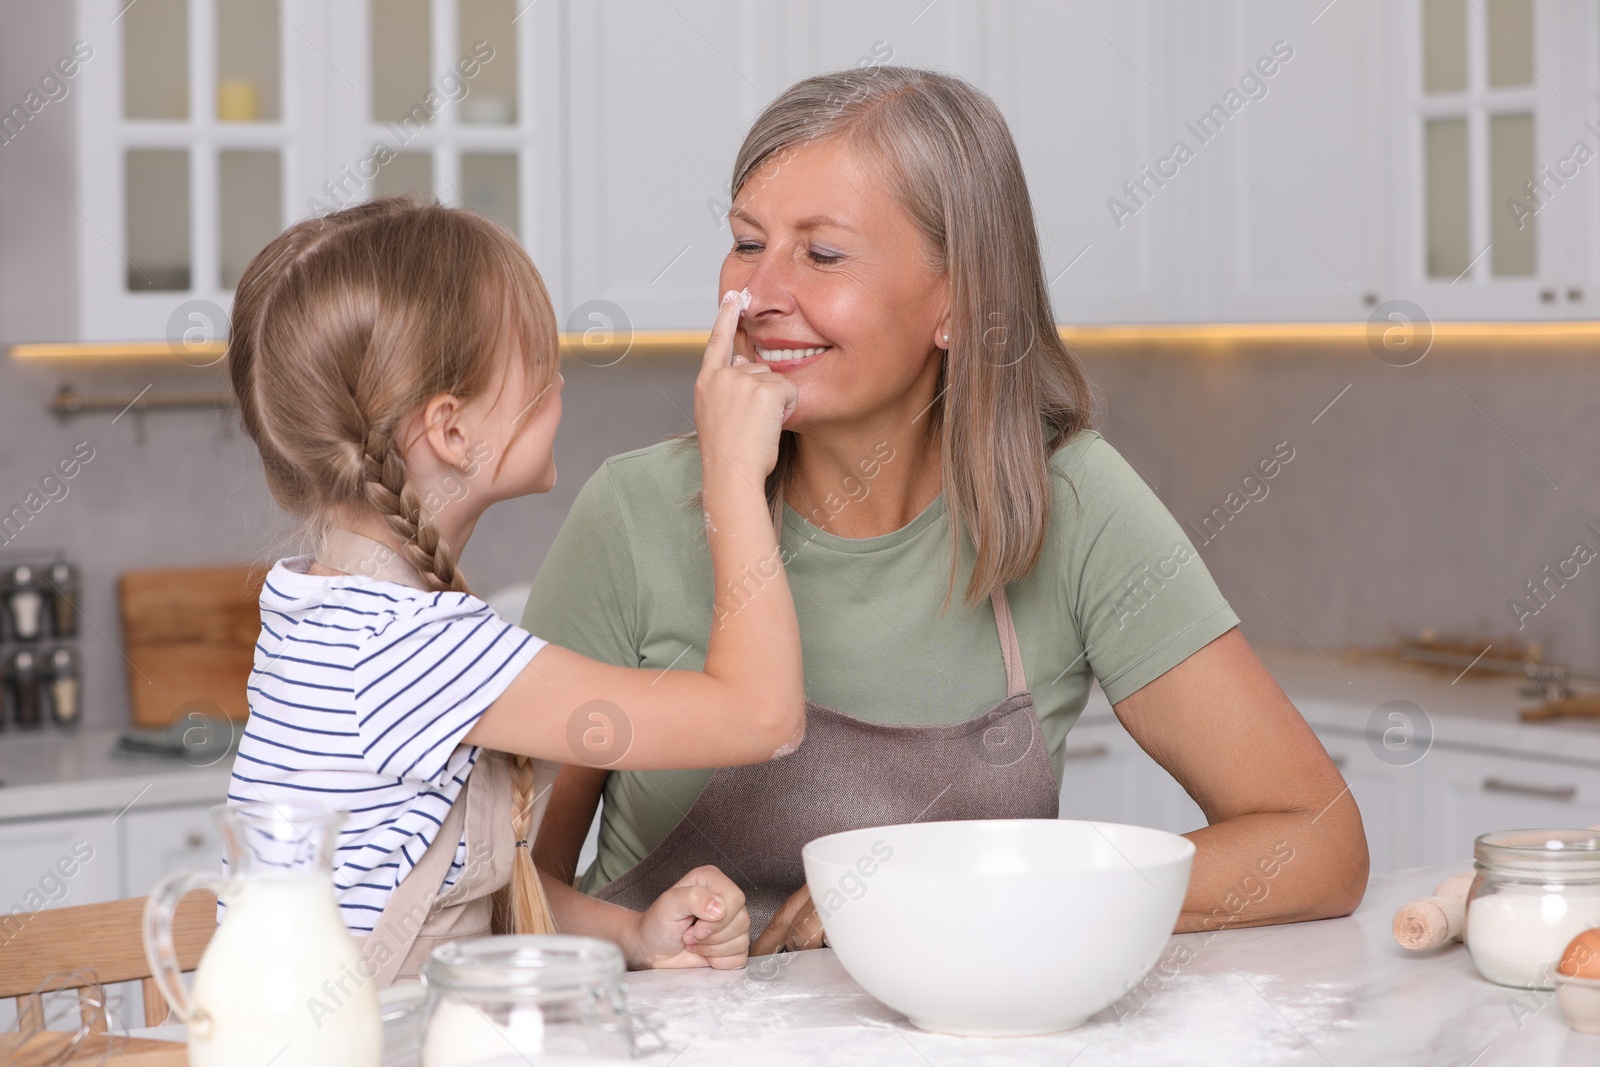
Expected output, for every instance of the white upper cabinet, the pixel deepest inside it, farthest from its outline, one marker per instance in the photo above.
(1242, 160)
(1085, 88)
(1492, 213)
(207, 126)
(660, 97)
(1292, 221)
(189, 153)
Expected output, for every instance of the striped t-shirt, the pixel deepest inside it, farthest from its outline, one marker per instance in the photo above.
(361, 693)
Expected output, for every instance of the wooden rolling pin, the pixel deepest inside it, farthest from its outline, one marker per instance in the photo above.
(1439, 919)
(1436, 920)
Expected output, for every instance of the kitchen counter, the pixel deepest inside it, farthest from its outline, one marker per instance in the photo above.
(60, 773)
(1337, 992)
(56, 772)
(1473, 712)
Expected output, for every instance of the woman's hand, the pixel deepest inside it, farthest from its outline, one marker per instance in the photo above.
(700, 922)
(795, 926)
(739, 406)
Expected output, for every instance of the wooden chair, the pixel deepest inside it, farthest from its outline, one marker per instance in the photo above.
(107, 938)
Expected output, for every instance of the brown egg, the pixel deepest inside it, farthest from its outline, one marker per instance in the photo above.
(1582, 958)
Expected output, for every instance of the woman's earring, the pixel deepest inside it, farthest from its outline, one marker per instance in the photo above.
(947, 340)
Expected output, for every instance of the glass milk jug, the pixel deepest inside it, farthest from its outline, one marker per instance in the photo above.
(282, 981)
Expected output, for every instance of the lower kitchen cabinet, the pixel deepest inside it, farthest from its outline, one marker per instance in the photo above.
(1389, 796)
(56, 863)
(1415, 814)
(161, 840)
(87, 859)
(1107, 777)
(1472, 793)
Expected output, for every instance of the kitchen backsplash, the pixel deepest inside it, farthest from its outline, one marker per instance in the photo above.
(1423, 496)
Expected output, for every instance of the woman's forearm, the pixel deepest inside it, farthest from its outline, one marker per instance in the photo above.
(567, 818)
(1276, 867)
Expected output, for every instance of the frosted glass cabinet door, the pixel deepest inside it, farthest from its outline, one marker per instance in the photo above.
(489, 186)
(250, 207)
(249, 64)
(158, 237)
(457, 102)
(400, 47)
(155, 65)
(1488, 99)
(493, 99)
(199, 135)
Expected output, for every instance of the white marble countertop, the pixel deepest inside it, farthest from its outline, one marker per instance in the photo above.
(1336, 992)
(58, 772)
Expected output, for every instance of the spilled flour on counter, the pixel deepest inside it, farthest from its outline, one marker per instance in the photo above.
(1203, 1019)
(1197, 1020)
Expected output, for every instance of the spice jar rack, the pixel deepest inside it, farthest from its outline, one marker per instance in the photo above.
(40, 663)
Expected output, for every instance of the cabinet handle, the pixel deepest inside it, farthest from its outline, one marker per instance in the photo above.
(1551, 792)
(194, 839)
(1098, 751)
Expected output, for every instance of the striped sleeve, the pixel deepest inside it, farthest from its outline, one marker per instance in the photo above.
(425, 674)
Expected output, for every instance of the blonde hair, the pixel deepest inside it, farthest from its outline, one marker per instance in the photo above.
(1010, 391)
(343, 328)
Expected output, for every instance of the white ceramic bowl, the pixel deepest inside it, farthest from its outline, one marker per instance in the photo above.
(999, 927)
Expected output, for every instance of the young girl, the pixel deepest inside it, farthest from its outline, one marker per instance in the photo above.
(396, 364)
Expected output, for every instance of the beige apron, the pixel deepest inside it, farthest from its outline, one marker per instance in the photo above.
(848, 774)
(418, 917)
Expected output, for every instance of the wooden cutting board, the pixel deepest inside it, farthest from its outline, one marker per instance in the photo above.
(189, 636)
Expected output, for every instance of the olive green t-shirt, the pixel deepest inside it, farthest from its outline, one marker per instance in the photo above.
(1119, 594)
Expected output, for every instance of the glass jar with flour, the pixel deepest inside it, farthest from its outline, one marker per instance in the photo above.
(553, 999)
(1535, 890)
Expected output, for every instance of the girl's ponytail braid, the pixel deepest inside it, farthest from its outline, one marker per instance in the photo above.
(522, 906)
(388, 492)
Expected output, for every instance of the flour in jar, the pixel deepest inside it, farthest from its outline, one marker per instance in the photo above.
(1517, 936)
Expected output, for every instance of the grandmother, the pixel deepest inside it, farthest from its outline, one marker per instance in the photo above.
(966, 554)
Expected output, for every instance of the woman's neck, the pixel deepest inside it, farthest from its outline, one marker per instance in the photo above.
(866, 481)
